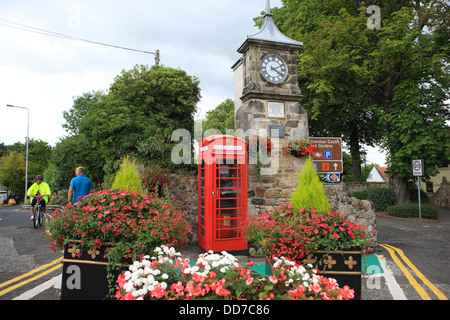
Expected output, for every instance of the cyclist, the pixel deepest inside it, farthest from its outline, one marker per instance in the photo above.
(40, 188)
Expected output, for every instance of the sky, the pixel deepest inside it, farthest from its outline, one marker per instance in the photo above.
(45, 73)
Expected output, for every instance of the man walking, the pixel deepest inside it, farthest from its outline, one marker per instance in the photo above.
(80, 186)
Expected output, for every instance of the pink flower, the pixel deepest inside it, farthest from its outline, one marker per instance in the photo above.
(112, 204)
(347, 293)
(249, 281)
(158, 292)
(315, 288)
(273, 279)
(178, 288)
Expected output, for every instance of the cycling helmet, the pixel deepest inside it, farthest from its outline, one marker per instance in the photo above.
(39, 178)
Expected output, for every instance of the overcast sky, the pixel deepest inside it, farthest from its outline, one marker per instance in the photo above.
(45, 73)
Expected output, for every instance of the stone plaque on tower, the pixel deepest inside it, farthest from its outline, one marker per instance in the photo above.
(267, 98)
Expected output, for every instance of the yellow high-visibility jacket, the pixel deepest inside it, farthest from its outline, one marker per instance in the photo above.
(43, 189)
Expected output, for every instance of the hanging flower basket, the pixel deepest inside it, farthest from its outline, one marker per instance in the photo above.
(300, 148)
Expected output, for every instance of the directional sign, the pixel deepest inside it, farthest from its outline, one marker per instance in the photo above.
(417, 168)
(328, 155)
(334, 177)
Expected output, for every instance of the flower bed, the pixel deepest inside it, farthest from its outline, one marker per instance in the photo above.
(168, 276)
(297, 233)
(328, 240)
(126, 225)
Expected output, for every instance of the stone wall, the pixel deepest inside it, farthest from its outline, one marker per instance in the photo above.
(184, 187)
(348, 188)
(362, 212)
(441, 198)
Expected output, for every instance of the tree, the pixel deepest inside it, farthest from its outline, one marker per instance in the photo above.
(70, 153)
(310, 190)
(221, 118)
(402, 67)
(142, 103)
(128, 177)
(12, 173)
(81, 105)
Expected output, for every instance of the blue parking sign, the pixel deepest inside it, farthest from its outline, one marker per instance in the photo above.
(315, 166)
(328, 154)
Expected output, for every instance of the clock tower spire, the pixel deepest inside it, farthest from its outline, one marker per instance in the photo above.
(267, 103)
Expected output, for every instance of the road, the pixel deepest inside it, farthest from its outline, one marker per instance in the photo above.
(411, 262)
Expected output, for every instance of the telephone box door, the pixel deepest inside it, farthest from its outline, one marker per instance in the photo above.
(222, 194)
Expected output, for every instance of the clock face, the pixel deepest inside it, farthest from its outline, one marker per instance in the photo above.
(274, 69)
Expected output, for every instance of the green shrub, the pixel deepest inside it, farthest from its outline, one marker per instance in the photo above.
(413, 194)
(310, 190)
(361, 195)
(409, 210)
(381, 197)
(128, 177)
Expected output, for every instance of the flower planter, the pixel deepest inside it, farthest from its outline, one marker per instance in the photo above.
(84, 275)
(344, 266)
(296, 153)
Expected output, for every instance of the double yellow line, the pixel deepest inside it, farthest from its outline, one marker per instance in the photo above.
(392, 251)
(55, 265)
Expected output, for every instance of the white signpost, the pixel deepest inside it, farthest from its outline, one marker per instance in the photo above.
(417, 166)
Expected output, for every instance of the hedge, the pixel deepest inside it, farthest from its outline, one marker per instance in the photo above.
(409, 210)
(381, 197)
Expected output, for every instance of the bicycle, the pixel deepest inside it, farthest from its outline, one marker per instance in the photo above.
(38, 217)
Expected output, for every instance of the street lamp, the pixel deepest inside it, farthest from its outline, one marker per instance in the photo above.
(28, 132)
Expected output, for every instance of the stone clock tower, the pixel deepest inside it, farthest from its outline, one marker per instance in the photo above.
(267, 104)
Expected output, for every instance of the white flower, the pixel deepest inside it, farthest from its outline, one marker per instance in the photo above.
(129, 286)
(165, 276)
(156, 272)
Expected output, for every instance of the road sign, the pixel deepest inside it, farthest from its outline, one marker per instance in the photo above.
(417, 168)
(334, 177)
(328, 155)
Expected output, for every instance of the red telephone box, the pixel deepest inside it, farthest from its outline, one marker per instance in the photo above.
(222, 194)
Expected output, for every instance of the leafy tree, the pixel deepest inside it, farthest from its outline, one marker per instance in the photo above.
(401, 69)
(12, 173)
(220, 118)
(39, 156)
(70, 153)
(142, 103)
(81, 105)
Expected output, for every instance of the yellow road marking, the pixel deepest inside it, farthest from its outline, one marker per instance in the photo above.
(57, 261)
(408, 275)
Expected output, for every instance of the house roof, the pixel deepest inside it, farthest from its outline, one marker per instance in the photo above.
(382, 171)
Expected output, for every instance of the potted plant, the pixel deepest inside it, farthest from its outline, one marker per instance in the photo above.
(107, 230)
(327, 240)
(299, 148)
(168, 276)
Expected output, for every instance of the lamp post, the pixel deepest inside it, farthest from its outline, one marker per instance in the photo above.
(28, 132)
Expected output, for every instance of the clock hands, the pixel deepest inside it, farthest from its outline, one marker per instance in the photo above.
(276, 70)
